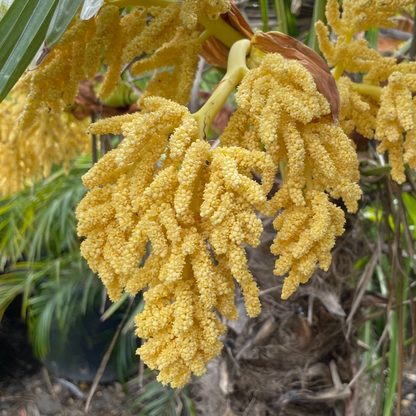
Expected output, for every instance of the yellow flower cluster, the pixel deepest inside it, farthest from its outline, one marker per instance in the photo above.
(196, 212)
(395, 120)
(358, 15)
(196, 206)
(26, 156)
(157, 32)
(358, 112)
(305, 236)
(280, 108)
(386, 114)
(191, 9)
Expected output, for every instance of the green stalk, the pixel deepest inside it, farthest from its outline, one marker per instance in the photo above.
(405, 48)
(236, 69)
(393, 365)
(366, 335)
(372, 36)
(318, 14)
(123, 95)
(379, 170)
(376, 363)
(264, 8)
(279, 6)
(367, 89)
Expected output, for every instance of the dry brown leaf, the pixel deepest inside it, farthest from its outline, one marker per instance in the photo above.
(213, 50)
(290, 48)
(237, 21)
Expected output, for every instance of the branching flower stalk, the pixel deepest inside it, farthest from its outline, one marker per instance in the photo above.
(235, 73)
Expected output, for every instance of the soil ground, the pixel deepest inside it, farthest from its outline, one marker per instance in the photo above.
(27, 389)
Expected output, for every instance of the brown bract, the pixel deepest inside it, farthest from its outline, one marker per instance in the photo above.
(87, 101)
(214, 51)
(237, 21)
(290, 48)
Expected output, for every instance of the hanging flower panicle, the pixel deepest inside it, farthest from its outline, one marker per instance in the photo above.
(197, 205)
(280, 109)
(26, 156)
(168, 36)
(384, 113)
(128, 206)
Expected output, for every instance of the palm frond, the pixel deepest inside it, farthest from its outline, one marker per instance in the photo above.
(40, 221)
(57, 298)
(159, 400)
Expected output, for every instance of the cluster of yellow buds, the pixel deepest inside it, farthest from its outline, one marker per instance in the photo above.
(167, 34)
(127, 206)
(280, 108)
(197, 205)
(384, 113)
(26, 156)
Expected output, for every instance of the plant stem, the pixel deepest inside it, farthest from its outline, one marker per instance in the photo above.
(318, 15)
(204, 36)
(367, 89)
(236, 69)
(219, 28)
(339, 69)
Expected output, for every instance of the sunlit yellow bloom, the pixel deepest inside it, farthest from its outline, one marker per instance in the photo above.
(197, 205)
(357, 111)
(115, 41)
(181, 53)
(184, 281)
(305, 236)
(358, 15)
(280, 108)
(26, 156)
(388, 118)
(191, 9)
(161, 29)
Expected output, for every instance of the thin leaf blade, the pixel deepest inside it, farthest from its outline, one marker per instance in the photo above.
(318, 15)
(264, 8)
(64, 13)
(26, 47)
(16, 17)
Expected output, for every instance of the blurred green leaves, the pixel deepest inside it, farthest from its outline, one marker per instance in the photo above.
(39, 221)
(318, 15)
(157, 400)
